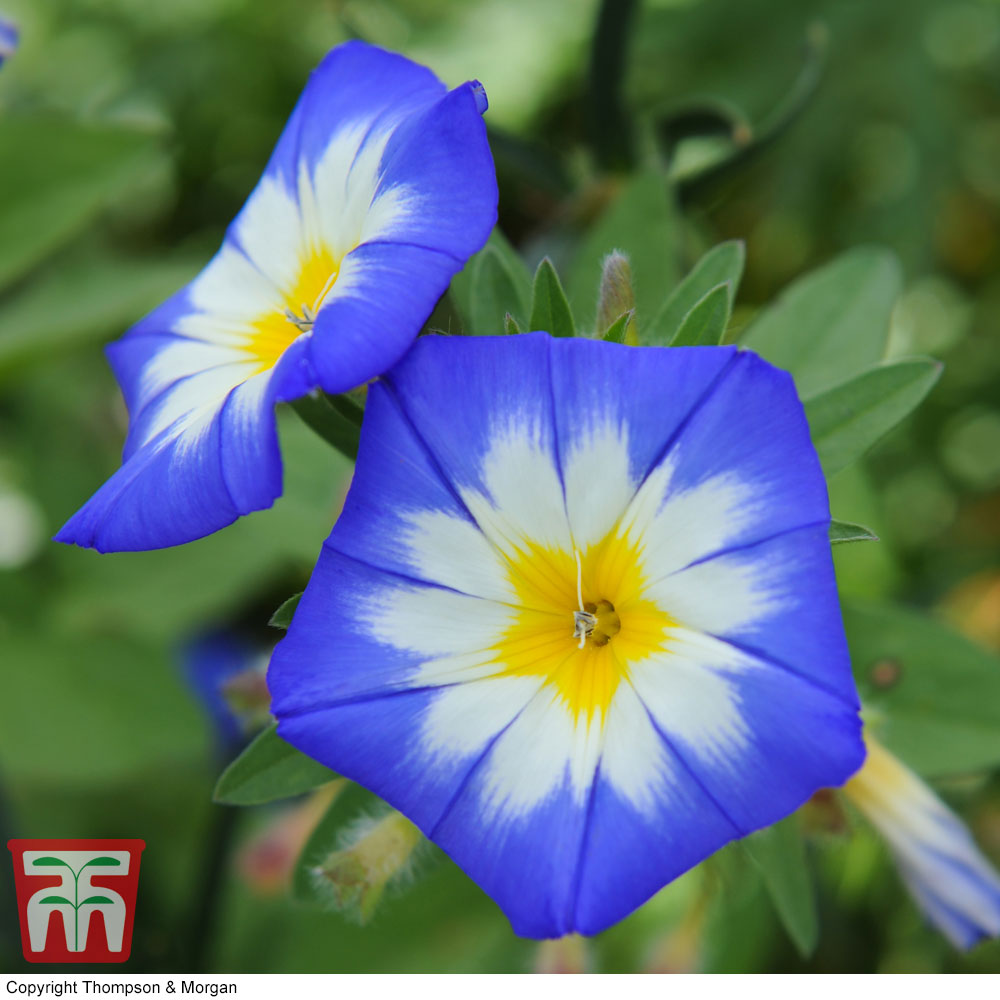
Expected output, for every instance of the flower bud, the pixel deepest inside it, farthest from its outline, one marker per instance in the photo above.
(569, 954)
(951, 881)
(616, 296)
(379, 851)
(267, 860)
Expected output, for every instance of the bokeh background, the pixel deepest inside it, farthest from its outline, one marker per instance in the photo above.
(131, 133)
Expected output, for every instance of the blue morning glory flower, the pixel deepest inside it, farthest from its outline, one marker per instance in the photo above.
(380, 187)
(9, 36)
(578, 620)
(948, 876)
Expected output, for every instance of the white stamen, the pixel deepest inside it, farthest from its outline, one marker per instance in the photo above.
(583, 621)
(324, 291)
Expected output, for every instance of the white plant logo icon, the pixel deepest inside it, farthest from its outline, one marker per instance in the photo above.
(76, 898)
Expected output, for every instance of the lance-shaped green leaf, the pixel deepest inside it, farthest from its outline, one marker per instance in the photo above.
(641, 222)
(832, 323)
(269, 769)
(57, 174)
(550, 310)
(721, 265)
(779, 853)
(49, 862)
(56, 899)
(103, 862)
(96, 900)
(493, 283)
(335, 420)
(844, 531)
(847, 420)
(930, 694)
(705, 324)
(617, 332)
(282, 618)
(494, 295)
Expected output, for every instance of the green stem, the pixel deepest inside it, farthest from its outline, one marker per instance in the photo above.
(335, 419)
(610, 126)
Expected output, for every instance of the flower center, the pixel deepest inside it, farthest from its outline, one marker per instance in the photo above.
(274, 332)
(581, 619)
(596, 622)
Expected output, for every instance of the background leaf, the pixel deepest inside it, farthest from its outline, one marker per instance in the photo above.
(847, 420)
(118, 681)
(779, 852)
(705, 324)
(549, 309)
(269, 769)
(844, 531)
(282, 618)
(722, 264)
(493, 283)
(57, 175)
(832, 323)
(932, 696)
(85, 301)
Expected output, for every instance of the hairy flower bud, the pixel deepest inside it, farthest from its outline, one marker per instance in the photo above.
(616, 296)
(377, 852)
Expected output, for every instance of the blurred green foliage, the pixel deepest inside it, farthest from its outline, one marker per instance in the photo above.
(130, 133)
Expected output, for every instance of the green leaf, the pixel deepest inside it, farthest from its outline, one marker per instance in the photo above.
(282, 618)
(269, 769)
(844, 531)
(333, 422)
(83, 302)
(705, 324)
(832, 323)
(615, 334)
(931, 695)
(56, 899)
(57, 175)
(779, 853)
(722, 264)
(96, 900)
(847, 420)
(550, 310)
(49, 862)
(103, 863)
(510, 326)
(493, 283)
(641, 222)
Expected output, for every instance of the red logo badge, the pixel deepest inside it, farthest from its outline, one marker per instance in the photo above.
(76, 898)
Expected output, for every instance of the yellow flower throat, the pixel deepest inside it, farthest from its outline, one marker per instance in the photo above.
(272, 333)
(581, 619)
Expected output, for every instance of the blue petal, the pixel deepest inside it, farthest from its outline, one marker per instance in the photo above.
(193, 477)
(366, 329)
(355, 82)
(442, 159)
(498, 379)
